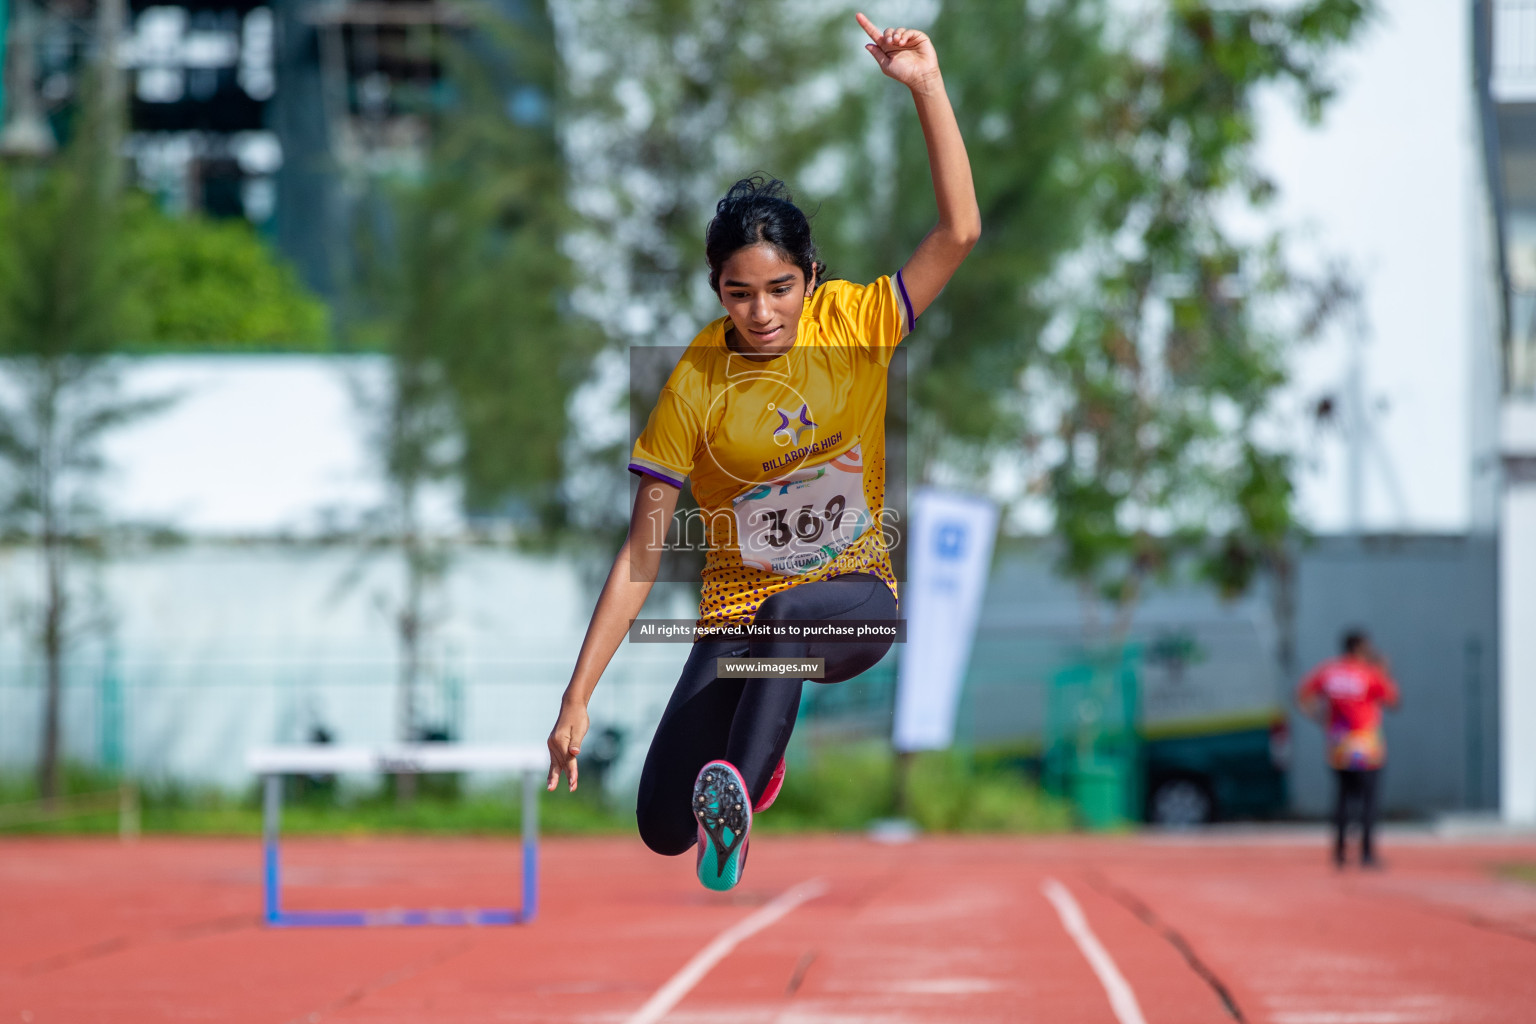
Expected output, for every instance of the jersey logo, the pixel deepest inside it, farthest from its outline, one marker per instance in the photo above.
(1344, 685)
(787, 434)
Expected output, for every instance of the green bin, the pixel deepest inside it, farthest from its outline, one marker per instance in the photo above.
(1093, 750)
(1100, 793)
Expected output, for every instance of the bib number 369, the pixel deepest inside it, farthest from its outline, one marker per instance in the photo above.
(798, 524)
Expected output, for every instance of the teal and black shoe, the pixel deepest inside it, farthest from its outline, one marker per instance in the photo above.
(724, 813)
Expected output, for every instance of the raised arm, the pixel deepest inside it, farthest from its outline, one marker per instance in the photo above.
(629, 583)
(907, 55)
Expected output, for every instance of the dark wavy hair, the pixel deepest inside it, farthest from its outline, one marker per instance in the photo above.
(760, 209)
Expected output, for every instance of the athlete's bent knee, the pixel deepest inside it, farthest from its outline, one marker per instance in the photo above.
(659, 838)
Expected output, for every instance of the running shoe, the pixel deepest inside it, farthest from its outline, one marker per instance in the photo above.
(724, 812)
(771, 793)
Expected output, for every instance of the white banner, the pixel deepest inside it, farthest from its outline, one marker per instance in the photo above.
(948, 554)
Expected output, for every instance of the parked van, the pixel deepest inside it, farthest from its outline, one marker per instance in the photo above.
(1215, 743)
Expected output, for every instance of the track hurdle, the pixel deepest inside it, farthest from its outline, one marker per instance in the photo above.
(272, 763)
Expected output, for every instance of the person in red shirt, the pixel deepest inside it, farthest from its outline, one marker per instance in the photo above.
(1352, 689)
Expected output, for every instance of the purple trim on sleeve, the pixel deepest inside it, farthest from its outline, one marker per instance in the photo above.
(906, 301)
(635, 467)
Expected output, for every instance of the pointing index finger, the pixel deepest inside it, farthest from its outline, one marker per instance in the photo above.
(868, 27)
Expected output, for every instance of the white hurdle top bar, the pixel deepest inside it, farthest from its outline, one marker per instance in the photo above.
(319, 758)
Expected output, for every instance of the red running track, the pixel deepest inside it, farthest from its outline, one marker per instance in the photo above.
(1200, 931)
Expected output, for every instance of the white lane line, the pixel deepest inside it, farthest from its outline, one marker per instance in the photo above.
(693, 972)
(1121, 999)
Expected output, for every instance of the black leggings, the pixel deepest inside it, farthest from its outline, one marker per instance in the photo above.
(1355, 787)
(748, 721)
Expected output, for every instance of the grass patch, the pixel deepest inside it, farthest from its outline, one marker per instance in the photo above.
(172, 808)
(946, 792)
(827, 791)
(1519, 872)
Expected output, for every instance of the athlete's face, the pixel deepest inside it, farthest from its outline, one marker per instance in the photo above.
(764, 294)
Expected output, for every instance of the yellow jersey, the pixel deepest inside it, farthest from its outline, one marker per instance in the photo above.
(786, 456)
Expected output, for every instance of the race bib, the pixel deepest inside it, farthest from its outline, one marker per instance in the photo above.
(1357, 750)
(796, 525)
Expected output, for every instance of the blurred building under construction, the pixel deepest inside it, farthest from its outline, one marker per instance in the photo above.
(271, 110)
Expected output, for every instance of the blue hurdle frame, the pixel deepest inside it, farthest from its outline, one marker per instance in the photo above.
(272, 812)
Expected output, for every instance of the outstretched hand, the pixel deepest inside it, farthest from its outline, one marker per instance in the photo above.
(904, 54)
(565, 743)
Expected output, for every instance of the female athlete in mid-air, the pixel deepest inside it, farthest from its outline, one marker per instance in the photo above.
(776, 413)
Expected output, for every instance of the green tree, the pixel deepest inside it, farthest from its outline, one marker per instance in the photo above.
(88, 271)
(65, 305)
(1028, 83)
(672, 101)
(213, 285)
(464, 291)
(1153, 393)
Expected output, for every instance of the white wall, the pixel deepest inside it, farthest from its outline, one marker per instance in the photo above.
(1517, 652)
(1392, 183)
(252, 445)
(1517, 620)
(220, 647)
